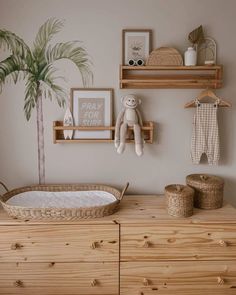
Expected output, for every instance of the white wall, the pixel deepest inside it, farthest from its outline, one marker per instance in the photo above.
(99, 24)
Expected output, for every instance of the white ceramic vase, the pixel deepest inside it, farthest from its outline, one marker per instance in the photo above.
(190, 57)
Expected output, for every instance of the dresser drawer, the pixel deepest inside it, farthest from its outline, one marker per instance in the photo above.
(59, 243)
(189, 277)
(178, 242)
(59, 278)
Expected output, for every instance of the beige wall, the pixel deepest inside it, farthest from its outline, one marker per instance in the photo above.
(99, 24)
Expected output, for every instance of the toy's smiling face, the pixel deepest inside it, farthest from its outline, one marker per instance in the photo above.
(130, 101)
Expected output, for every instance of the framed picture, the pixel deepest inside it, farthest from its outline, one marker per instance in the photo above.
(136, 45)
(92, 107)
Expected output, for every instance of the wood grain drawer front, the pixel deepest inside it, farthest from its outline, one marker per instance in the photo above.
(59, 278)
(59, 243)
(180, 242)
(187, 277)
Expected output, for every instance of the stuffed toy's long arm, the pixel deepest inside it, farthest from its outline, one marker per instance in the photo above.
(117, 128)
(139, 118)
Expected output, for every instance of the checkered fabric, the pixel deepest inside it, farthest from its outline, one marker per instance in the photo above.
(205, 137)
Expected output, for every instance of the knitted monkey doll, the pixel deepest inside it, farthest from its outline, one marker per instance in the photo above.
(129, 117)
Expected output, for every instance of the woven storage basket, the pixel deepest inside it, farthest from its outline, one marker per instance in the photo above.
(179, 200)
(209, 190)
(165, 56)
(27, 213)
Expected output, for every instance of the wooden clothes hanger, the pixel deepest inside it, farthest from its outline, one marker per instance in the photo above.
(208, 93)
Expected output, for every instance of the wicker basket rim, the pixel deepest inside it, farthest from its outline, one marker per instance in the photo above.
(184, 191)
(166, 50)
(88, 187)
(58, 208)
(210, 180)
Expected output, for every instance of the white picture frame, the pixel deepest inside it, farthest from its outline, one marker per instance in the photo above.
(136, 44)
(92, 107)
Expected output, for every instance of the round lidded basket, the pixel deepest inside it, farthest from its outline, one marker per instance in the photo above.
(179, 200)
(209, 190)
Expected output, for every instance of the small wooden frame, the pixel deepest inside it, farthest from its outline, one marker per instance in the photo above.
(147, 77)
(58, 137)
(136, 31)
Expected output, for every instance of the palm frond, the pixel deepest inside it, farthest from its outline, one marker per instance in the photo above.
(12, 67)
(50, 88)
(77, 54)
(45, 34)
(31, 92)
(15, 44)
(53, 91)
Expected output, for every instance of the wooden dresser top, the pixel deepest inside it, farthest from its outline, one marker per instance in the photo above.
(142, 209)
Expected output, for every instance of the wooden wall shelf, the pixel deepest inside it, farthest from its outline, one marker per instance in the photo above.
(58, 136)
(147, 77)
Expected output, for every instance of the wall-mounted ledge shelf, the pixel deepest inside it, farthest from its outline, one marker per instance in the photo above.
(58, 136)
(147, 77)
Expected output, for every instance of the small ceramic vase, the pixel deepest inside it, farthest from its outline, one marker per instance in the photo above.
(190, 57)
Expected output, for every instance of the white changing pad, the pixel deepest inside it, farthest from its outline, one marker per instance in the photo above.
(78, 199)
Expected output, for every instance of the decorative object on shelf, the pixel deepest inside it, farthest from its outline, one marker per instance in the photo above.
(136, 45)
(149, 77)
(58, 137)
(190, 57)
(205, 137)
(92, 107)
(196, 37)
(179, 200)
(36, 66)
(62, 202)
(206, 52)
(209, 190)
(129, 117)
(139, 62)
(68, 121)
(165, 56)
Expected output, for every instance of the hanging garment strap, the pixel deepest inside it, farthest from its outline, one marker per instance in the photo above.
(197, 102)
(217, 102)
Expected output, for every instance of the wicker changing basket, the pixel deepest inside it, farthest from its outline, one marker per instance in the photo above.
(179, 200)
(209, 190)
(59, 214)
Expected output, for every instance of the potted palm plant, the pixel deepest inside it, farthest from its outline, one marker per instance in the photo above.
(36, 66)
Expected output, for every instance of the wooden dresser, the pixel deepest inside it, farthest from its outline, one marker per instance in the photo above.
(140, 250)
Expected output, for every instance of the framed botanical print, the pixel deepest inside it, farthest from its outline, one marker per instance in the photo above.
(136, 45)
(92, 107)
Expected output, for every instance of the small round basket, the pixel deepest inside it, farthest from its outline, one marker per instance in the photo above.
(209, 190)
(179, 200)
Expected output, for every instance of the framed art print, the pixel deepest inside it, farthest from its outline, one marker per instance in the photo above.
(136, 45)
(92, 107)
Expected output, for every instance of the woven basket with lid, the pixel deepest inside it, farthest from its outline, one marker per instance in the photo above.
(179, 200)
(209, 190)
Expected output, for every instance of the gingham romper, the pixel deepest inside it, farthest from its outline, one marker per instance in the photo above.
(205, 137)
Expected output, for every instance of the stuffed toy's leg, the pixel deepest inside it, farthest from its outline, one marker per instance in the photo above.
(138, 140)
(123, 131)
